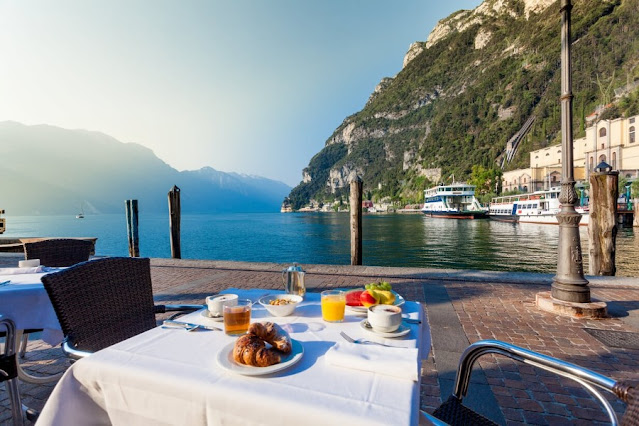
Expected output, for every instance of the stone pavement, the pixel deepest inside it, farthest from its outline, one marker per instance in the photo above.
(462, 307)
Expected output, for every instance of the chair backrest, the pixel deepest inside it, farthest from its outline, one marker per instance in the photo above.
(102, 302)
(59, 251)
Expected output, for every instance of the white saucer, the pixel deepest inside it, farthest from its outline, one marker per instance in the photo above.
(207, 314)
(401, 331)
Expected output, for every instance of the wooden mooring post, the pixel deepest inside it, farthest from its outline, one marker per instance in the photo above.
(175, 216)
(132, 227)
(356, 220)
(602, 227)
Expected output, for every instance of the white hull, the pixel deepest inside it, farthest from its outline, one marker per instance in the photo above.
(547, 219)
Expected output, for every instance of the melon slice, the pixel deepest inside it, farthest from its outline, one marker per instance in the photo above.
(353, 297)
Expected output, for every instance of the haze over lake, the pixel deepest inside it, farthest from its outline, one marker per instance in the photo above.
(323, 238)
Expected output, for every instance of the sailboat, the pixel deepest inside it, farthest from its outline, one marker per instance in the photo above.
(81, 214)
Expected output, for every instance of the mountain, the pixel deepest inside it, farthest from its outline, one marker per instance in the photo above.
(480, 78)
(49, 170)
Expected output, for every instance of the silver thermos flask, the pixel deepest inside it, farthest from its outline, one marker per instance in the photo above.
(293, 278)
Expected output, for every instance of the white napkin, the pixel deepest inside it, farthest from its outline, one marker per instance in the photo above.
(398, 362)
(15, 271)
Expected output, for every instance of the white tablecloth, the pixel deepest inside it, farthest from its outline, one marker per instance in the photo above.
(27, 303)
(171, 377)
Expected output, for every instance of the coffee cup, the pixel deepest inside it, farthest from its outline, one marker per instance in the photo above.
(384, 318)
(216, 304)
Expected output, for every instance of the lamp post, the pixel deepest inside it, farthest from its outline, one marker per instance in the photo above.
(569, 285)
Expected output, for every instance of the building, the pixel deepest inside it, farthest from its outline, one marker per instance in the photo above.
(612, 141)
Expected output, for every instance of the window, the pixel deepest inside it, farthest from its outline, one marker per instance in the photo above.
(592, 161)
(602, 132)
(602, 146)
(614, 161)
(602, 158)
(632, 120)
(631, 134)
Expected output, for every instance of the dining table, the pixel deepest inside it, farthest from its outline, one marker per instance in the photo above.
(24, 300)
(172, 376)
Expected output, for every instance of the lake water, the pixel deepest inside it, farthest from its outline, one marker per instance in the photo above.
(324, 238)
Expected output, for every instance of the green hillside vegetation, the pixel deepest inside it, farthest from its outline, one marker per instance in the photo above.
(445, 105)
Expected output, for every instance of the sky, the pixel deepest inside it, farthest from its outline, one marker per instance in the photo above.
(246, 86)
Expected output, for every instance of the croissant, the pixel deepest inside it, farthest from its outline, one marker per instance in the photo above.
(273, 334)
(251, 350)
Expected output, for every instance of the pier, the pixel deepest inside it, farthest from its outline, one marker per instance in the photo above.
(462, 306)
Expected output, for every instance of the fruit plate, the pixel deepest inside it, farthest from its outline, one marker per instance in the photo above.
(361, 310)
(401, 331)
(226, 361)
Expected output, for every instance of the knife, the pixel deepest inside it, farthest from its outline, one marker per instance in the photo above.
(187, 325)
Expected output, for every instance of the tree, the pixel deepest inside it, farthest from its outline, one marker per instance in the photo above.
(486, 180)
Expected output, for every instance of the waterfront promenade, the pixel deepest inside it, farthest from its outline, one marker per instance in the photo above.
(462, 307)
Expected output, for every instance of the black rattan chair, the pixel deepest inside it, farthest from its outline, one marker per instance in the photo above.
(59, 251)
(55, 252)
(9, 374)
(104, 301)
(453, 412)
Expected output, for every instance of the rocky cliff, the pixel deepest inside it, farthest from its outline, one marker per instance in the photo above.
(465, 91)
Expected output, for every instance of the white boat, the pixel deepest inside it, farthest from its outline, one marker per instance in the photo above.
(3, 222)
(81, 214)
(534, 207)
(456, 201)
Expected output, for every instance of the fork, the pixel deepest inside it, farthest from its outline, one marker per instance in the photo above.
(363, 341)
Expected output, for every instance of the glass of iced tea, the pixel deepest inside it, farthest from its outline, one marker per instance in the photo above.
(238, 317)
(333, 305)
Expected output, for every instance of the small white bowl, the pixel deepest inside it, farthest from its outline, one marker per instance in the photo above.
(281, 310)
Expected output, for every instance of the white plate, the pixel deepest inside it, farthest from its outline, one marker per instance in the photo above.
(207, 314)
(226, 361)
(361, 310)
(401, 331)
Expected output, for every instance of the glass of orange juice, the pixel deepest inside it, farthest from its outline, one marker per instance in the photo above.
(333, 305)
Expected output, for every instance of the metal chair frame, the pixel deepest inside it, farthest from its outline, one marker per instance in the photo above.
(591, 381)
(9, 375)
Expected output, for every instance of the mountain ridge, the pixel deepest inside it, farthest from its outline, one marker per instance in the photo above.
(51, 170)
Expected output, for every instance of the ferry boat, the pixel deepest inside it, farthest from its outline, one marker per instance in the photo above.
(456, 201)
(534, 207)
(3, 222)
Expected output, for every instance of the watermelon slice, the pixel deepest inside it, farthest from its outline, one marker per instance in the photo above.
(352, 297)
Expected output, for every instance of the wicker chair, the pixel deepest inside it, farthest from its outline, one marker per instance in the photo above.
(102, 302)
(453, 412)
(55, 252)
(9, 374)
(59, 252)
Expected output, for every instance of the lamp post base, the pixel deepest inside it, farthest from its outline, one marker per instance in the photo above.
(591, 310)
